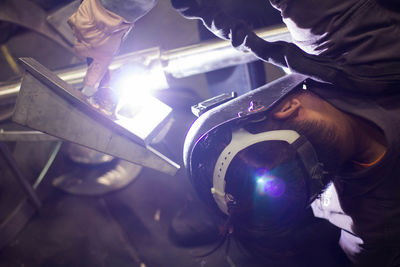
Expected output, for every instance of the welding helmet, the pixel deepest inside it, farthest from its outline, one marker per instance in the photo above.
(207, 161)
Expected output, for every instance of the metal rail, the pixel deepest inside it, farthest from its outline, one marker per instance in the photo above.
(179, 63)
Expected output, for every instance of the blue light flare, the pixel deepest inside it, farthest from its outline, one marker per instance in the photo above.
(268, 184)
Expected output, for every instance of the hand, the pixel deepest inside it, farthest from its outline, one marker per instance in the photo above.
(99, 34)
(183, 6)
(215, 20)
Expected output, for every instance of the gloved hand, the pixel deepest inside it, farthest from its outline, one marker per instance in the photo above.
(99, 34)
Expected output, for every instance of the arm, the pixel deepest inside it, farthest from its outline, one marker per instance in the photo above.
(242, 37)
(334, 41)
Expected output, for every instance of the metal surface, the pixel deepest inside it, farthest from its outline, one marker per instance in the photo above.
(14, 223)
(9, 159)
(28, 206)
(179, 63)
(99, 179)
(213, 55)
(20, 216)
(12, 136)
(28, 15)
(58, 20)
(48, 164)
(83, 155)
(48, 104)
(208, 104)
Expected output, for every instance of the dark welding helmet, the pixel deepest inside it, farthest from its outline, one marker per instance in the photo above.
(207, 162)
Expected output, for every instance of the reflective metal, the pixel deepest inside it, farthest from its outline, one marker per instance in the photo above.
(99, 180)
(48, 104)
(179, 63)
(213, 55)
(83, 155)
(31, 136)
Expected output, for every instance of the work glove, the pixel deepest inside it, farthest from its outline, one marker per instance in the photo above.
(98, 34)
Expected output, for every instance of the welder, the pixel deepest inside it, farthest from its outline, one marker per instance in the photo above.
(327, 136)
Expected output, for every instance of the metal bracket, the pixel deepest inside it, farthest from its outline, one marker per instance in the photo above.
(48, 104)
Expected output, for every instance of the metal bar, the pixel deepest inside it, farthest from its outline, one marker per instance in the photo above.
(18, 174)
(179, 63)
(213, 55)
(14, 222)
(48, 164)
(20, 216)
(11, 136)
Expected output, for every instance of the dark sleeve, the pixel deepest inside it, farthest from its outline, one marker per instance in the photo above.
(321, 68)
(390, 4)
(333, 42)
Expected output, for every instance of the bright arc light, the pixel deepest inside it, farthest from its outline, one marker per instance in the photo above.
(136, 81)
(137, 109)
(270, 185)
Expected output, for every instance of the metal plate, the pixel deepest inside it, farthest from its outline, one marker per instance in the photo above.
(48, 104)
